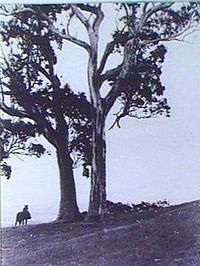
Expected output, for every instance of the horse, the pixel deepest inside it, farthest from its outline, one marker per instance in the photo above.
(22, 217)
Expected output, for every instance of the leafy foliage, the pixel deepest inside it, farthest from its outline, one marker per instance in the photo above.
(5, 169)
(18, 140)
(31, 91)
(142, 90)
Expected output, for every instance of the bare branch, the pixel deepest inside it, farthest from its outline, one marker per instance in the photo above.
(108, 50)
(99, 18)
(70, 38)
(145, 7)
(94, 9)
(110, 46)
(118, 118)
(110, 73)
(80, 16)
(68, 23)
(126, 111)
(12, 111)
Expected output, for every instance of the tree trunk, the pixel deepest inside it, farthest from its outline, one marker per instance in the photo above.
(98, 176)
(68, 209)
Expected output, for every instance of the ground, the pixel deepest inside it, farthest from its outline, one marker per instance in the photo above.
(168, 237)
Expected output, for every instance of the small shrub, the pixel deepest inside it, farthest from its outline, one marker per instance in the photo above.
(119, 207)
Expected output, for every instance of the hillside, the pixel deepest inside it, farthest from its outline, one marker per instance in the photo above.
(168, 237)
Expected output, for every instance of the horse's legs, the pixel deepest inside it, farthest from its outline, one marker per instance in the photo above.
(25, 221)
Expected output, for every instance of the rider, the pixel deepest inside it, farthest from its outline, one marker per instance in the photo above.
(25, 208)
(27, 213)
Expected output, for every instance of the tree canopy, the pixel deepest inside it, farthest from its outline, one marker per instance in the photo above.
(139, 36)
(32, 97)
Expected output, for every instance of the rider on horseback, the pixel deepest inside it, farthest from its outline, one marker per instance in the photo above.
(23, 216)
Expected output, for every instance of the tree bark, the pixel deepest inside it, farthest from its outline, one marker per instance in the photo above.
(68, 209)
(97, 203)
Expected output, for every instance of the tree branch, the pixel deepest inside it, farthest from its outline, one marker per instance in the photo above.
(70, 38)
(41, 70)
(32, 114)
(126, 111)
(67, 36)
(130, 59)
(99, 18)
(155, 9)
(13, 112)
(173, 37)
(89, 8)
(80, 16)
(108, 50)
(110, 73)
(110, 46)
(96, 10)
(52, 28)
(145, 7)
(118, 118)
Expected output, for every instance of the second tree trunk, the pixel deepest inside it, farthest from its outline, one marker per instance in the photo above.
(97, 203)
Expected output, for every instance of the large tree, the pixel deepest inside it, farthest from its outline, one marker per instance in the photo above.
(140, 34)
(35, 103)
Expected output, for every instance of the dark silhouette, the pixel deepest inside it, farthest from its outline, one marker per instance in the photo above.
(22, 217)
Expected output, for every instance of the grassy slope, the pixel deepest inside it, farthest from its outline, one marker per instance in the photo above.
(167, 238)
